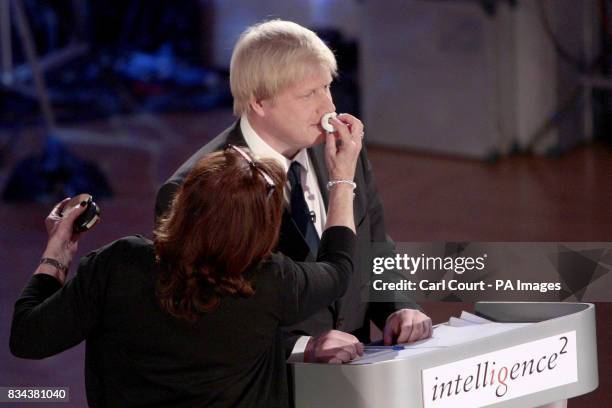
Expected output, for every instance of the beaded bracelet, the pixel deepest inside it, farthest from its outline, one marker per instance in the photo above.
(332, 183)
(57, 264)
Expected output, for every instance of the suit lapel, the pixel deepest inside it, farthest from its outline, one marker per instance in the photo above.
(290, 242)
(235, 135)
(317, 159)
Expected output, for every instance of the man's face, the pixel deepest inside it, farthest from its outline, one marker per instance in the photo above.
(293, 117)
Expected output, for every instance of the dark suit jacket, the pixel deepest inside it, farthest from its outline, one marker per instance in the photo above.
(139, 355)
(352, 312)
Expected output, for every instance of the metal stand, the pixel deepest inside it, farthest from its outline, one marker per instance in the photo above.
(56, 173)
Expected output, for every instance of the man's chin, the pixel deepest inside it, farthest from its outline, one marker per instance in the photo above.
(320, 139)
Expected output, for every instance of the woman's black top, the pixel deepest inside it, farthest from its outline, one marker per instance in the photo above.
(138, 355)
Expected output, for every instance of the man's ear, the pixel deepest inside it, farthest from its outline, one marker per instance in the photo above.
(257, 106)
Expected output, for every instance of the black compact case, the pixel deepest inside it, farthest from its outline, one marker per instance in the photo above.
(88, 218)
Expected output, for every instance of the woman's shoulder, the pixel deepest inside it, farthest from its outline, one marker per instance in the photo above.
(269, 279)
(275, 268)
(130, 248)
(273, 265)
(128, 243)
(136, 242)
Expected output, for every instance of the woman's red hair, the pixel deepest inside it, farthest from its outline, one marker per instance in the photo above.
(221, 224)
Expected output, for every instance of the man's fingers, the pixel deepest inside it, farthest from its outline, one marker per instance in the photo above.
(353, 351)
(408, 326)
(344, 354)
(359, 348)
(427, 333)
(405, 332)
(335, 347)
(422, 330)
(417, 332)
(428, 329)
(347, 353)
(387, 334)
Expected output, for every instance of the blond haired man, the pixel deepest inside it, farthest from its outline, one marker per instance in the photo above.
(280, 76)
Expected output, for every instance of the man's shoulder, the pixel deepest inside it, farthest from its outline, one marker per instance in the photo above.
(230, 135)
(165, 193)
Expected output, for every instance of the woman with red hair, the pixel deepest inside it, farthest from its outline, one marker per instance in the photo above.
(192, 318)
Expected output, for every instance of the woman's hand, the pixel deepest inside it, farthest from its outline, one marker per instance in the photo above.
(341, 153)
(342, 147)
(62, 242)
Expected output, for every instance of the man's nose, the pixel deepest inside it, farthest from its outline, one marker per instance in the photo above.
(327, 105)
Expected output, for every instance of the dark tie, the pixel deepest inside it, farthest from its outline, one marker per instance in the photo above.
(299, 209)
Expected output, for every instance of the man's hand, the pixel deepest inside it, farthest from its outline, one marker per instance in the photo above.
(334, 347)
(406, 326)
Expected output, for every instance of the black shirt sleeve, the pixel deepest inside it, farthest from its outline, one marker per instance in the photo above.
(49, 318)
(311, 286)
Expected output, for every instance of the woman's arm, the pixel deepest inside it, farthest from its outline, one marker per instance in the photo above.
(341, 153)
(50, 317)
(317, 285)
(312, 286)
(62, 243)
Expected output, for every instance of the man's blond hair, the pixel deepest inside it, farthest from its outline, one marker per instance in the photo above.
(273, 55)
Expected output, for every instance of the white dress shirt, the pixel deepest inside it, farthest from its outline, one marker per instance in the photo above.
(312, 194)
(308, 178)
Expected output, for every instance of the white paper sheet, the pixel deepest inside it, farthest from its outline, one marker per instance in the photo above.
(467, 328)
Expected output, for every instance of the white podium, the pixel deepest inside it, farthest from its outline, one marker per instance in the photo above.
(552, 359)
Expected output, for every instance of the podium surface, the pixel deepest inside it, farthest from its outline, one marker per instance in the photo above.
(552, 359)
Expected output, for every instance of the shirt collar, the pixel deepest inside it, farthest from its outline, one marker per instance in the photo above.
(261, 150)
